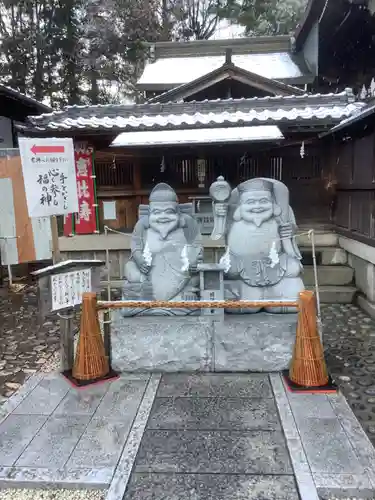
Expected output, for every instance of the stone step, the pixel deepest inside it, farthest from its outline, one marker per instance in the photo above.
(328, 275)
(335, 294)
(326, 256)
(322, 238)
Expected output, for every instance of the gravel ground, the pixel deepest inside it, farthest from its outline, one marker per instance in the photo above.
(349, 340)
(18, 494)
(27, 343)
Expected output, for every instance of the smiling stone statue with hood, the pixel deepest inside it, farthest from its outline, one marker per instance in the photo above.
(165, 250)
(262, 258)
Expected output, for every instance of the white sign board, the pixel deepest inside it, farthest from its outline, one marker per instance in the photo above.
(109, 210)
(67, 288)
(49, 174)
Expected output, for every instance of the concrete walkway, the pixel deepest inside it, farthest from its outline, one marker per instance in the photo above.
(188, 437)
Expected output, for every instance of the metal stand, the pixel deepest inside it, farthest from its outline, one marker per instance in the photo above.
(107, 335)
(66, 341)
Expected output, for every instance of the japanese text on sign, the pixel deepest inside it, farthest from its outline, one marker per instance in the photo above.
(49, 176)
(67, 288)
(85, 222)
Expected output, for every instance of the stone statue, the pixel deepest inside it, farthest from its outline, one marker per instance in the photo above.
(166, 248)
(262, 259)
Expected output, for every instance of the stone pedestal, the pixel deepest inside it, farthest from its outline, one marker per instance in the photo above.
(258, 342)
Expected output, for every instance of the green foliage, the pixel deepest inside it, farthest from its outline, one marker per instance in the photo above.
(264, 17)
(92, 51)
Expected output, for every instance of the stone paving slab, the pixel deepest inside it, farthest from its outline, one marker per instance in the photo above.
(16, 433)
(226, 452)
(211, 487)
(102, 443)
(55, 442)
(54, 434)
(81, 401)
(215, 385)
(45, 398)
(213, 437)
(327, 447)
(214, 413)
(340, 457)
(212, 442)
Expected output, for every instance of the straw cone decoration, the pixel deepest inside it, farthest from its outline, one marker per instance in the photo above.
(308, 367)
(90, 362)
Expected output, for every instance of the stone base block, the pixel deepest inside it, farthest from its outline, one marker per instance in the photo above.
(259, 342)
(161, 344)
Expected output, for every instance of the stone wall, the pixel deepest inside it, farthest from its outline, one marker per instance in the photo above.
(361, 258)
(258, 342)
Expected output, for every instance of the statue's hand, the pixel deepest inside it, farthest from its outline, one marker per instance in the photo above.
(221, 209)
(144, 268)
(286, 230)
(193, 268)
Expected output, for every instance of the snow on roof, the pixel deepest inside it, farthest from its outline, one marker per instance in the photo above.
(198, 136)
(172, 71)
(268, 110)
(197, 119)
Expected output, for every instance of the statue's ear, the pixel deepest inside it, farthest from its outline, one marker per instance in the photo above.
(143, 221)
(237, 214)
(183, 221)
(276, 210)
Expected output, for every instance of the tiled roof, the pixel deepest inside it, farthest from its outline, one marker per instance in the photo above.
(169, 72)
(361, 114)
(173, 115)
(9, 92)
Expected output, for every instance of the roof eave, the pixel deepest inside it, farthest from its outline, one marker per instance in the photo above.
(73, 132)
(157, 87)
(26, 100)
(227, 71)
(215, 47)
(345, 126)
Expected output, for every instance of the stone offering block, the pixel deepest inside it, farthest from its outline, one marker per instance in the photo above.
(256, 343)
(162, 344)
(261, 342)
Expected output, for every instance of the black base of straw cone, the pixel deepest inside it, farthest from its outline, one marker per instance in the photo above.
(329, 388)
(82, 384)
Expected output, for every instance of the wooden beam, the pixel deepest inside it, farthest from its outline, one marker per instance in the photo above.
(194, 304)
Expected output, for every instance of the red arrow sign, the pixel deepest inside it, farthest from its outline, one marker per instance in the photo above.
(47, 149)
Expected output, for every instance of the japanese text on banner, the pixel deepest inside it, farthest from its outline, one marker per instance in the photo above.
(49, 176)
(85, 219)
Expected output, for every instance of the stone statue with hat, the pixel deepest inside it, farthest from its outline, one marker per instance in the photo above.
(166, 248)
(262, 258)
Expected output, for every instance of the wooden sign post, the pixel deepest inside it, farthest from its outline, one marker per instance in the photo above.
(61, 288)
(49, 173)
(55, 240)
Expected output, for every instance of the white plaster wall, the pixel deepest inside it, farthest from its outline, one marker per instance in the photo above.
(6, 137)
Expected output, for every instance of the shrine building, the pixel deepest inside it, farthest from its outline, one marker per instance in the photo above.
(240, 108)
